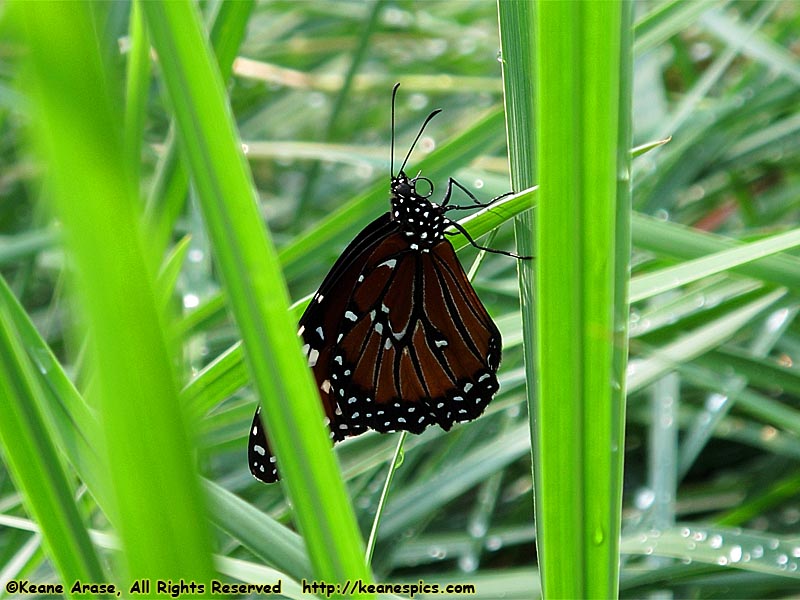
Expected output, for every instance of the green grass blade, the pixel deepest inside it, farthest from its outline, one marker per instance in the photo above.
(268, 539)
(137, 392)
(744, 549)
(679, 241)
(70, 420)
(578, 113)
(168, 191)
(256, 292)
(647, 286)
(666, 20)
(694, 343)
(136, 90)
(36, 466)
(517, 35)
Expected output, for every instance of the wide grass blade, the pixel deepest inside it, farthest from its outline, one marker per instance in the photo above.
(646, 286)
(149, 454)
(581, 258)
(256, 292)
(36, 466)
(516, 20)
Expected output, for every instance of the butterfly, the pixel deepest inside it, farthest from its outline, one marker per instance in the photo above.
(396, 336)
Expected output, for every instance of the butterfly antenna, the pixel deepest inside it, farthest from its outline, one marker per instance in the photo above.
(391, 158)
(419, 135)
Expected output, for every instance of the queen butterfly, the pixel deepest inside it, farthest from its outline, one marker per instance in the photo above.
(396, 335)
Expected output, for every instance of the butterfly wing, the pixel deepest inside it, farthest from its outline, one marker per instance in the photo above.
(318, 325)
(397, 339)
(417, 346)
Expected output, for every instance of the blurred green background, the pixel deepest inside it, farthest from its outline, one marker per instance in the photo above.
(710, 506)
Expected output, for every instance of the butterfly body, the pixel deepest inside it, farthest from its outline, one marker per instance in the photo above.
(396, 336)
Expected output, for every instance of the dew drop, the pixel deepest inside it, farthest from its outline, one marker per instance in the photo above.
(468, 563)
(735, 554)
(599, 536)
(715, 401)
(644, 499)
(494, 543)
(477, 529)
(191, 301)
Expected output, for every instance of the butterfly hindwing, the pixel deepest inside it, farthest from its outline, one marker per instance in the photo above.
(259, 457)
(318, 326)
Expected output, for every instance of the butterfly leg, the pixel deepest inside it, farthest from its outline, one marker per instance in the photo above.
(452, 182)
(463, 231)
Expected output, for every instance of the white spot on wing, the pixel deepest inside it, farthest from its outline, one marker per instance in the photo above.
(350, 315)
(313, 356)
(388, 263)
(326, 386)
(259, 449)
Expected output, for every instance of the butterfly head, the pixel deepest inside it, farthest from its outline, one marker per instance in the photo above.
(421, 220)
(403, 187)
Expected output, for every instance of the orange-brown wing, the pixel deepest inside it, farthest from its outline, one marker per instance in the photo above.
(318, 328)
(397, 339)
(417, 346)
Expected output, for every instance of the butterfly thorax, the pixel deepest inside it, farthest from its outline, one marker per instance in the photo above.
(421, 220)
